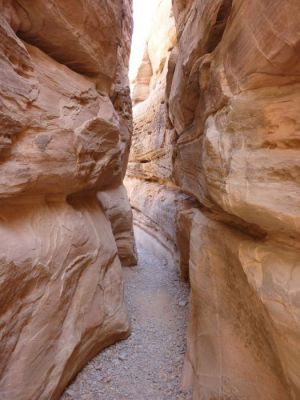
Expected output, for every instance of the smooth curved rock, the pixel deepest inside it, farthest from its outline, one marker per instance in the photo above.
(65, 118)
(233, 104)
(61, 294)
(150, 176)
(230, 347)
(69, 32)
(221, 124)
(116, 206)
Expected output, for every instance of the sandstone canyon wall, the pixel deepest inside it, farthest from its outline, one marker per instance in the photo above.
(151, 187)
(217, 120)
(65, 117)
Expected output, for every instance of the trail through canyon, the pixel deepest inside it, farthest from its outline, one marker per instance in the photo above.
(148, 365)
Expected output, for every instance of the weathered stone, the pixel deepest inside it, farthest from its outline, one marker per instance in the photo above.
(150, 178)
(69, 32)
(221, 123)
(159, 204)
(141, 85)
(61, 293)
(233, 104)
(65, 118)
(116, 206)
(231, 351)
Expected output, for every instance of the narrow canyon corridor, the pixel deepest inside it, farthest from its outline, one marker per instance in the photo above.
(149, 200)
(148, 365)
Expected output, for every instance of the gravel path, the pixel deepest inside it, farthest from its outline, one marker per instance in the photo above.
(148, 365)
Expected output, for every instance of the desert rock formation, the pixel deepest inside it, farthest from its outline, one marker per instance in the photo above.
(213, 172)
(150, 182)
(65, 116)
(217, 120)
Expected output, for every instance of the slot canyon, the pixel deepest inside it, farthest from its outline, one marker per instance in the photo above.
(150, 230)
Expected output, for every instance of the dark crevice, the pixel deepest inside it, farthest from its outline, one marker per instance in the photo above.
(218, 29)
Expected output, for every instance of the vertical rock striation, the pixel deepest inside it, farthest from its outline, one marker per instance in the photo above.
(234, 105)
(65, 117)
(217, 118)
(150, 179)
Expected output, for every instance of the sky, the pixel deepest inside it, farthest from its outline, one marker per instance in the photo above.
(143, 13)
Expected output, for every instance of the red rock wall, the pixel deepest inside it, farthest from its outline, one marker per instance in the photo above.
(219, 122)
(153, 194)
(65, 117)
(234, 103)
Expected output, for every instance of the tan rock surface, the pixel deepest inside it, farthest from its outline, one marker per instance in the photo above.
(159, 204)
(65, 118)
(68, 32)
(230, 349)
(116, 206)
(273, 269)
(221, 123)
(150, 182)
(141, 85)
(61, 294)
(234, 106)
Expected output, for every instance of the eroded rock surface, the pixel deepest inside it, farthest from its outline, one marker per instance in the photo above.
(116, 206)
(65, 122)
(233, 103)
(231, 350)
(150, 179)
(220, 122)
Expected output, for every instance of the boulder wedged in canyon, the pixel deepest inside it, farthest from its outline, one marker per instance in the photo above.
(65, 117)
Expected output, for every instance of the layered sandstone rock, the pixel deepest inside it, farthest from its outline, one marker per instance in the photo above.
(65, 131)
(117, 208)
(231, 348)
(150, 183)
(218, 120)
(234, 105)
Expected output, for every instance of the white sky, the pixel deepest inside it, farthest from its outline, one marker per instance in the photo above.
(143, 13)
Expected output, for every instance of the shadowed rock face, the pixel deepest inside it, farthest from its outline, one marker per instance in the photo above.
(226, 131)
(65, 117)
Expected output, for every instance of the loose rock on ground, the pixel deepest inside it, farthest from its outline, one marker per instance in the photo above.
(148, 365)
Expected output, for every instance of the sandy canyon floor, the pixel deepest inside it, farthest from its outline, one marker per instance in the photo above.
(147, 366)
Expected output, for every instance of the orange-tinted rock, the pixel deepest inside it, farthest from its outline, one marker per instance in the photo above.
(61, 293)
(116, 205)
(65, 118)
(231, 350)
(233, 104)
(156, 206)
(69, 32)
(221, 123)
(150, 179)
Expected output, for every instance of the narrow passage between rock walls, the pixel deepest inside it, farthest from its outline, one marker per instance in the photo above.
(148, 365)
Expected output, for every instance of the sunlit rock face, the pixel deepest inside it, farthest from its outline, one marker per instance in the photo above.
(65, 117)
(150, 179)
(216, 118)
(234, 104)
